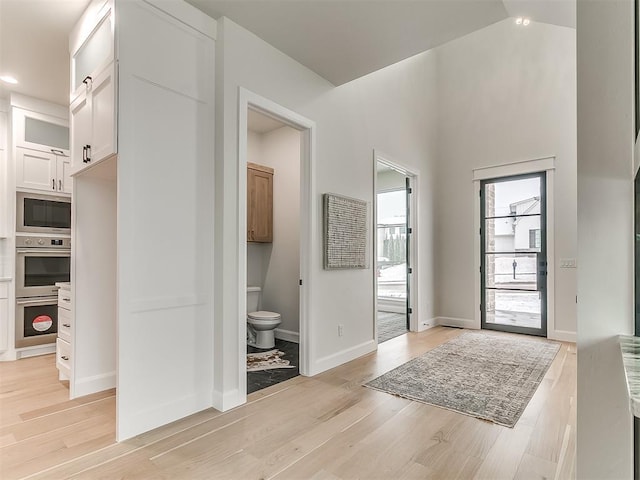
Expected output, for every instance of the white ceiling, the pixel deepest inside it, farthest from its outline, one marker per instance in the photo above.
(339, 39)
(34, 46)
(344, 40)
(260, 123)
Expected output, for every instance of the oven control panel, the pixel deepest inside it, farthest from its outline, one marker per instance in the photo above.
(42, 242)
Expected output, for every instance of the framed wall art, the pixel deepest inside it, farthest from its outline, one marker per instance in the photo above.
(345, 232)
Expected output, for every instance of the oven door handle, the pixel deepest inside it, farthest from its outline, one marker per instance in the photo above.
(62, 252)
(40, 301)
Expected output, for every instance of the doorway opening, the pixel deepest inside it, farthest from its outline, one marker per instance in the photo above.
(273, 250)
(513, 254)
(394, 250)
(275, 242)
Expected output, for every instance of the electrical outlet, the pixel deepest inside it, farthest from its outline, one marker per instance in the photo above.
(340, 330)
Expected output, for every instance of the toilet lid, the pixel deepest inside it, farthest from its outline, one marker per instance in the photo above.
(263, 315)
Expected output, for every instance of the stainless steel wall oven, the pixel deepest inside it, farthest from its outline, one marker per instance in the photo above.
(40, 263)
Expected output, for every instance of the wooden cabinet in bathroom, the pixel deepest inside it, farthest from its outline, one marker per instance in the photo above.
(259, 203)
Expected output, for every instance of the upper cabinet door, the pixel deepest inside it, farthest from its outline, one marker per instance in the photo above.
(36, 170)
(80, 113)
(41, 132)
(103, 115)
(92, 46)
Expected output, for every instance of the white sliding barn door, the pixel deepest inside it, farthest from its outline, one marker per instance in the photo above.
(165, 213)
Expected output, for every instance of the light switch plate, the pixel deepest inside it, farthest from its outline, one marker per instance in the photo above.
(567, 263)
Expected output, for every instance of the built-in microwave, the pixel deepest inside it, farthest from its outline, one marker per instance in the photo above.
(37, 213)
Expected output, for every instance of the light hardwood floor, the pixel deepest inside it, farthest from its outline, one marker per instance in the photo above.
(322, 428)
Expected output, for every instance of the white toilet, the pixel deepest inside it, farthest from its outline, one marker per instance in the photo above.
(261, 325)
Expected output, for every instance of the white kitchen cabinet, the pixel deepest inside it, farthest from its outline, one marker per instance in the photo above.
(38, 131)
(4, 315)
(93, 86)
(91, 45)
(64, 342)
(93, 121)
(38, 170)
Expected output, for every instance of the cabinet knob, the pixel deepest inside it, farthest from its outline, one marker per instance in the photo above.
(66, 325)
(64, 357)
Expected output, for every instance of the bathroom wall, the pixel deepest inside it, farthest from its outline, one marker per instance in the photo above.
(276, 266)
(256, 252)
(281, 150)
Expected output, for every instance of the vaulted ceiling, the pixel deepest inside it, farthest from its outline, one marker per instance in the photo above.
(339, 39)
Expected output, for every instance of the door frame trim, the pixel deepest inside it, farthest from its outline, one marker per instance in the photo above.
(542, 331)
(414, 175)
(308, 224)
(547, 165)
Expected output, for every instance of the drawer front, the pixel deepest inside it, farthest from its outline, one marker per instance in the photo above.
(64, 324)
(63, 357)
(64, 299)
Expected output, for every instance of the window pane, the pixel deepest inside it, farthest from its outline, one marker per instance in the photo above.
(517, 271)
(515, 197)
(512, 234)
(521, 309)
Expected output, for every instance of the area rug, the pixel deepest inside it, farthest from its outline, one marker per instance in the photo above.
(266, 361)
(487, 376)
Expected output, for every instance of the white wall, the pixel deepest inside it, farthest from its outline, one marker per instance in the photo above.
(605, 233)
(505, 94)
(390, 110)
(276, 266)
(281, 290)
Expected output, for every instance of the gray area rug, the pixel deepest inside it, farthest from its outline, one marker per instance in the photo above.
(484, 375)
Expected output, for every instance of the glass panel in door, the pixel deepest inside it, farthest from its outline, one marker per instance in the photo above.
(513, 254)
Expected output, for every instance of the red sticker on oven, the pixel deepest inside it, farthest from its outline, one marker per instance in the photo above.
(42, 323)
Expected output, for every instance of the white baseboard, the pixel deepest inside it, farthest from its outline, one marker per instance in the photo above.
(457, 322)
(96, 383)
(336, 359)
(427, 324)
(288, 335)
(135, 423)
(562, 335)
(34, 351)
(226, 401)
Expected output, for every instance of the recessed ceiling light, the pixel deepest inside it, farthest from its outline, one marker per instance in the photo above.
(8, 79)
(526, 22)
(519, 20)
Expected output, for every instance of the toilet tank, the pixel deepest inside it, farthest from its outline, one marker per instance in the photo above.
(253, 299)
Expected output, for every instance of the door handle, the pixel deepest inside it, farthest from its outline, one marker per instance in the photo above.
(64, 357)
(66, 325)
(84, 154)
(56, 151)
(88, 153)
